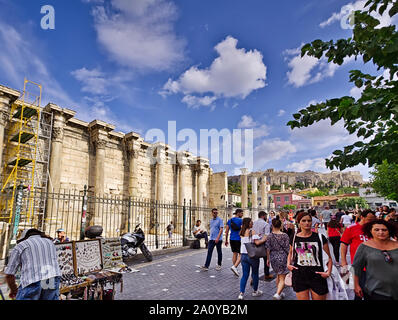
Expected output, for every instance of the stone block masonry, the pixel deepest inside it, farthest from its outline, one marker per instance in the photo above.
(114, 163)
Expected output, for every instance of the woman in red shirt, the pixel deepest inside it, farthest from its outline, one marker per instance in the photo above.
(334, 234)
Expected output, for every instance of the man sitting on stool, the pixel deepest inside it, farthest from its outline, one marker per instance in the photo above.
(199, 232)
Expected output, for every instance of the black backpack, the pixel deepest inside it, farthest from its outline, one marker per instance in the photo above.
(196, 244)
(234, 226)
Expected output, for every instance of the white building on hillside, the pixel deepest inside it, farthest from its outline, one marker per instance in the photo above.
(374, 200)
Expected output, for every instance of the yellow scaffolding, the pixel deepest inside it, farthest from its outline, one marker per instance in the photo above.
(20, 156)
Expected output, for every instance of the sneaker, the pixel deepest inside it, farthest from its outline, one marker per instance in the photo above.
(276, 297)
(269, 277)
(257, 293)
(204, 268)
(235, 270)
(240, 297)
(218, 267)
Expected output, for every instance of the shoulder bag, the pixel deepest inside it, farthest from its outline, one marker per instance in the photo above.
(254, 251)
(289, 276)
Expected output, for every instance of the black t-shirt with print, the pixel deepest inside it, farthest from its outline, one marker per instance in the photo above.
(308, 253)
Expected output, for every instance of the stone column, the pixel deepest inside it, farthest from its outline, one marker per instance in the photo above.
(254, 192)
(264, 193)
(161, 157)
(200, 186)
(244, 188)
(99, 137)
(60, 117)
(7, 97)
(4, 116)
(133, 147)
(182, 167)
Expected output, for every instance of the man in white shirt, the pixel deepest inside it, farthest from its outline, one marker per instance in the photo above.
(199, 232)
(261, 227)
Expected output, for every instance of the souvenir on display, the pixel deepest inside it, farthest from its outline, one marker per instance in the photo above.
(111, 253)
(88, 256)
(65, 257)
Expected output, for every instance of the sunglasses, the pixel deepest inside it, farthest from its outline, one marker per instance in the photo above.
(387, 256)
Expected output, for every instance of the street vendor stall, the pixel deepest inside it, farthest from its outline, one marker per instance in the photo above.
(85, 273)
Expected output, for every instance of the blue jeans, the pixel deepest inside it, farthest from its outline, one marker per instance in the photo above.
(248, 263)
(212, 244)
(202, 235)
(34, 291)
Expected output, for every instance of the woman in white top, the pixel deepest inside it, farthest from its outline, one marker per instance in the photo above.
(247, 235)
(346, 220)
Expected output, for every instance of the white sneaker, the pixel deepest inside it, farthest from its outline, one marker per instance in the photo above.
(218, 267)
(276, 297)
(204, 268)
(235, 270)
(240, 297)
(257, 293)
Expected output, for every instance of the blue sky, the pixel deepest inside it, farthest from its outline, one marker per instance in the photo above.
(204, 64)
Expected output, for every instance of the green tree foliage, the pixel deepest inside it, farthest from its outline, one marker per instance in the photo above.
(374, 115)
(318, 193)
(345, 190)
(234, 187)
(349, 203)
(289, 207)
(384, 180)
(299, 185)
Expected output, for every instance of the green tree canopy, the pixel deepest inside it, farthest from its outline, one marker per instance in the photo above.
(317, 194)
(289, 206)
(374, 115)
(349, 203)
(384, 180)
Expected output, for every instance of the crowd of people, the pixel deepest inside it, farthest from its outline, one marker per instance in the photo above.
(304, 247)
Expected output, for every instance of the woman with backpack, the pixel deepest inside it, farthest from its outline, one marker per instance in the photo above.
(277, 245)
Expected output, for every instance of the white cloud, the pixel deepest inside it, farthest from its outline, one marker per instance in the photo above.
(356, 92)
(307, 70)
(321, 135)
(19, 58)
(196, 102)
(235, 73)
(281, 112)
(385, 19)
(259, 131)
(317, 165)
(140, 33)
(247, 122)
(93, 80)
(271, 150)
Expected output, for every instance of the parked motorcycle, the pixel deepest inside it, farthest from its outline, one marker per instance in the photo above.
(132, 241)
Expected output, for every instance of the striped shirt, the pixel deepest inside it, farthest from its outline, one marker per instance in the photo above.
(36, 256)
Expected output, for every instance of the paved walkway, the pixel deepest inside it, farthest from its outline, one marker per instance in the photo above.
(177, 276)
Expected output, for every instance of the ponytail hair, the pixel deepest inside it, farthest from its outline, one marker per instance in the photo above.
(245, 226)
(277, 223)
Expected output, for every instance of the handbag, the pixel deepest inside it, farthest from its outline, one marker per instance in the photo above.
(289, 276)
(254, 251)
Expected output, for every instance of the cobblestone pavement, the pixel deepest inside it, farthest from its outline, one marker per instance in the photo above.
(178, 276)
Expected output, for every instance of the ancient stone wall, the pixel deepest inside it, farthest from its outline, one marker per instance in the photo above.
(115, 164)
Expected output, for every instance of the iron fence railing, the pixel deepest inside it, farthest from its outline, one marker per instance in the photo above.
(74, 210)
